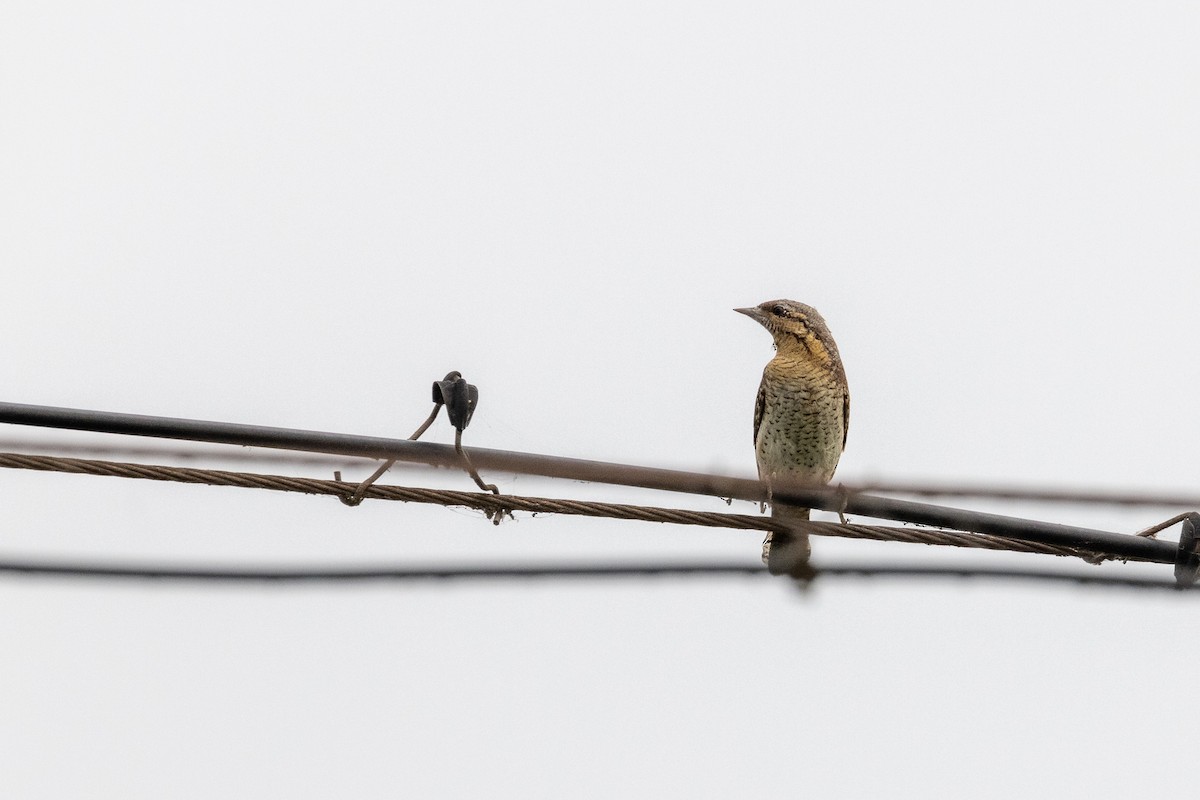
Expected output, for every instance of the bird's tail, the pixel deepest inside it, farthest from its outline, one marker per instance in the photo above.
(787, 552)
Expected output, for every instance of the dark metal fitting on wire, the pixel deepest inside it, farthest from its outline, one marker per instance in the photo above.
(1187, 559)
(459, 397)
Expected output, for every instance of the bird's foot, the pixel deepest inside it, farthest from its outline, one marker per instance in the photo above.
(844, 500)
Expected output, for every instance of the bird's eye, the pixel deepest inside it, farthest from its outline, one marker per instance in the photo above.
(780, 311)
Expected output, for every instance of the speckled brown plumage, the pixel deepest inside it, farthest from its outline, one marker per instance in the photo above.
(801, 416)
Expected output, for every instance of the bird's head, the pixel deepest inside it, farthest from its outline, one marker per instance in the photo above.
(794, 327)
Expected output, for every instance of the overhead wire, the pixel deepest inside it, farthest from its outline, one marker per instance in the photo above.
(1116, 496)
(822, 497)
(496, 505)
(1008, 532)
(408, 574)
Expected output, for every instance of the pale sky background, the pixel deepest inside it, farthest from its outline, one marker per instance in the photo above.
(301, 214)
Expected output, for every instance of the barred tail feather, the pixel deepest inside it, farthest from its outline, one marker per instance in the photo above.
(787, 553)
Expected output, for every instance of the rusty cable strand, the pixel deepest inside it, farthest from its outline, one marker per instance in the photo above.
(497, 504)
(1116, 497)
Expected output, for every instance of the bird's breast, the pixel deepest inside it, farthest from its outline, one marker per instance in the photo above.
(802, 430)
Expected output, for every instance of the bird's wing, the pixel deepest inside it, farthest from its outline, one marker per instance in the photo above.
(845, 416)
(760, 405)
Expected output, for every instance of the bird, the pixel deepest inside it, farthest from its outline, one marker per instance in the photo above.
(801, 416)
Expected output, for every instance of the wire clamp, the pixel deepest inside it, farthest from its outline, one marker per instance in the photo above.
(460, 399)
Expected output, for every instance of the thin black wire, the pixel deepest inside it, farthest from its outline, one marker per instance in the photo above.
(114, 571)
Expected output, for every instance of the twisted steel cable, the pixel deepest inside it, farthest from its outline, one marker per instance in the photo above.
(497, 505)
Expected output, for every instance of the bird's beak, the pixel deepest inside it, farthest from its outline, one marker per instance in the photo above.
(753, 313)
